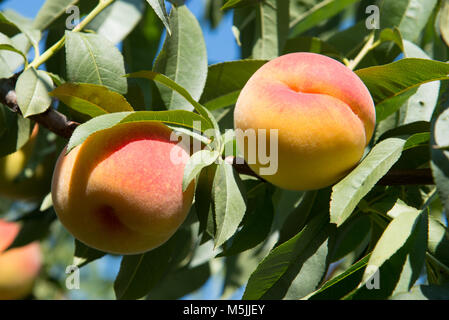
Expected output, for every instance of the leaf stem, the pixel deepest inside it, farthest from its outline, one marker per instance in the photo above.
(102, 4)
(369, 45)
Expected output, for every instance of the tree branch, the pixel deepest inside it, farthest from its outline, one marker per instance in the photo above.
(51, 119)
(58, 123)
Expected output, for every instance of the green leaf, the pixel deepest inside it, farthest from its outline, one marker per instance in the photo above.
(50, 11)
(183, 59)
(23, 24)
(84, 254)
(420, 106)
(34, 226)
(10, 59)
(203, 200)
(409, 16)
(32, 89)
(225, 81)
(91, 99)
(117, 20)
(417, 140)
(181, 282)
(159, 8)
(196, 163)
(392, 81)
(348, 192)
(180, 117)
(339, 286)
(15, 132)
(160, 78)
(93, 59)
(238, 3)
(424, 292)
(311, 44)
(406, 129)
(440, 157)
(256, 224)
(444, 22)
(139, 274)
(229, 202)
(272, 18)
(398, 257)
(320, 12)
(294, 268)
(9, 47)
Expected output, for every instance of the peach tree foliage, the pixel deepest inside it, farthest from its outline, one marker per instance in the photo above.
(387, 218)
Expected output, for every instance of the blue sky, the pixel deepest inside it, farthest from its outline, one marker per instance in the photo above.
(220, 42)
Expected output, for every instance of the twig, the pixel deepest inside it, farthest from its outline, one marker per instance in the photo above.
(51, 119)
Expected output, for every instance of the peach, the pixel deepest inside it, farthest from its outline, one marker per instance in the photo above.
(324, 114)
(19, 267)
(120, 190)
(12, 166)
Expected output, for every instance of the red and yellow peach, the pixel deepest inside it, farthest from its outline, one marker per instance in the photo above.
(19, 266)
(324, 114)
(120, 190)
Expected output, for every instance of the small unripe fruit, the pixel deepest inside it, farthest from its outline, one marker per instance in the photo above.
(19, 267)
(323, 112)
(12, 165)
(120, 191)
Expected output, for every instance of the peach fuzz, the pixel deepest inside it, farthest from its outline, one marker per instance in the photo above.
(324, 113)
(19, 267)
(119, 191)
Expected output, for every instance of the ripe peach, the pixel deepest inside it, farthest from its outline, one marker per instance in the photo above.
(324, 113)
(119, 191)
(12, 166)
(19, 267)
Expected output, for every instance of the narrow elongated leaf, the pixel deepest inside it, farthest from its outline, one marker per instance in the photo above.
(409, 16)
(271, 29)
(340, 285)
(32, 90)
(91, 99)
(444, 22)
(15, 132)
(196, 163)
(349, 191)
(84, 254)
(229, 202)
(420, 106)
(302, 259)
(440, 157)
(226, 80)
(140, 273)
(50, 11)
(391, 83)
(9, 47)
(257, 225)
(238, 3)
(117, 20)
(159, 8)
(398, 257)
(167, 82)
(93, 59)
(11, 59)
(23, 24)
(183, 59)
(424, 292)
(179, 117)
(320, 12)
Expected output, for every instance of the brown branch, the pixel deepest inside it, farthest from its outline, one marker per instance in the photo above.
(58, 123)
(51, 119)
